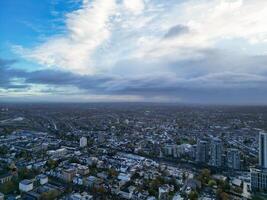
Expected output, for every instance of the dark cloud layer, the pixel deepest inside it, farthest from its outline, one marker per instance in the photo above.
(177, 31)
(192, 80)
(7, 74)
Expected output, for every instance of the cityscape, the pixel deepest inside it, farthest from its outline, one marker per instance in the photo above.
(132, 151)
(133, 100)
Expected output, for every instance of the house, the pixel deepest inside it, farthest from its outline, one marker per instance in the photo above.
(39, 192)
(124, 177)
(83, 170)
(43, 179)
(164, 191)
(82, 196)
(68, 174)
(26, 185)
(5, 178)
(78, 180)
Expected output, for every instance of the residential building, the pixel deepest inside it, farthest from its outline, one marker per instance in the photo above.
(216, 152)
(25, 185)
(43, 179)
(258, 179)
(233, 159)
(202, 151)
(68, 174)
(263, 149)
(5, 178)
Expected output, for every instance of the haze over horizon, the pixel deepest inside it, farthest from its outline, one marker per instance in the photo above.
(177, 51)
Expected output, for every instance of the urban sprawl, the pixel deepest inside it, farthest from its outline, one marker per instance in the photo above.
(132, 151)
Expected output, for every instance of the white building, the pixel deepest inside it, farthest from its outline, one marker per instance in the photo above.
(83, 142)
(43, 179)
(57, 153)
(124, 177)
(25, 185)
(263, 149)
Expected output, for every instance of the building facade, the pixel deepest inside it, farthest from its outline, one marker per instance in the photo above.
(83, 142)
(202, 153)
(26, 185)
(233, 159)
(258, 179)
(258, 176)
(263, 149)
(216, 152)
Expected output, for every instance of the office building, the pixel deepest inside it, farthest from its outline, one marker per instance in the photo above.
(263, 149)
(216, 152)
(233, 159)
(258, 176)
(202, 153)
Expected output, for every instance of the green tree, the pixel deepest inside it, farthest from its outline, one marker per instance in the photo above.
(9, 187)
(193, 195)
(74, 160)
(205, 176)
(221, 195)
(51, 164)
(25, 173)
(50, 195)
(211, 183)
(3, 150)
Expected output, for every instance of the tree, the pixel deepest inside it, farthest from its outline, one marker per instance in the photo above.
(193, 195)
(112, 173)
(222, 195)
(9, 187)
(51, 164)
(50, 195)
(74, 160)
(211, 183)
(224, 185)
(26, 173)
(205, 176)
(184, 176)
(3, 150)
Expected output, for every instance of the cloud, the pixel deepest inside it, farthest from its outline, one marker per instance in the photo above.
(87, 28)
(176, 31)
(7, 76)
(209, 22)
(134, 6)
(169, 49)
(6, 63)
(100, 33)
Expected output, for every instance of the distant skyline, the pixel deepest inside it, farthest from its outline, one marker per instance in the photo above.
(177, 51)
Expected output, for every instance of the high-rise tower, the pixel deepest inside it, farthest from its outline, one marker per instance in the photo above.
(216, 152)
(202, 151)
(263, 149)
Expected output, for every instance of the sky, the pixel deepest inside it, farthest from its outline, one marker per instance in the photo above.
(177, 51)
